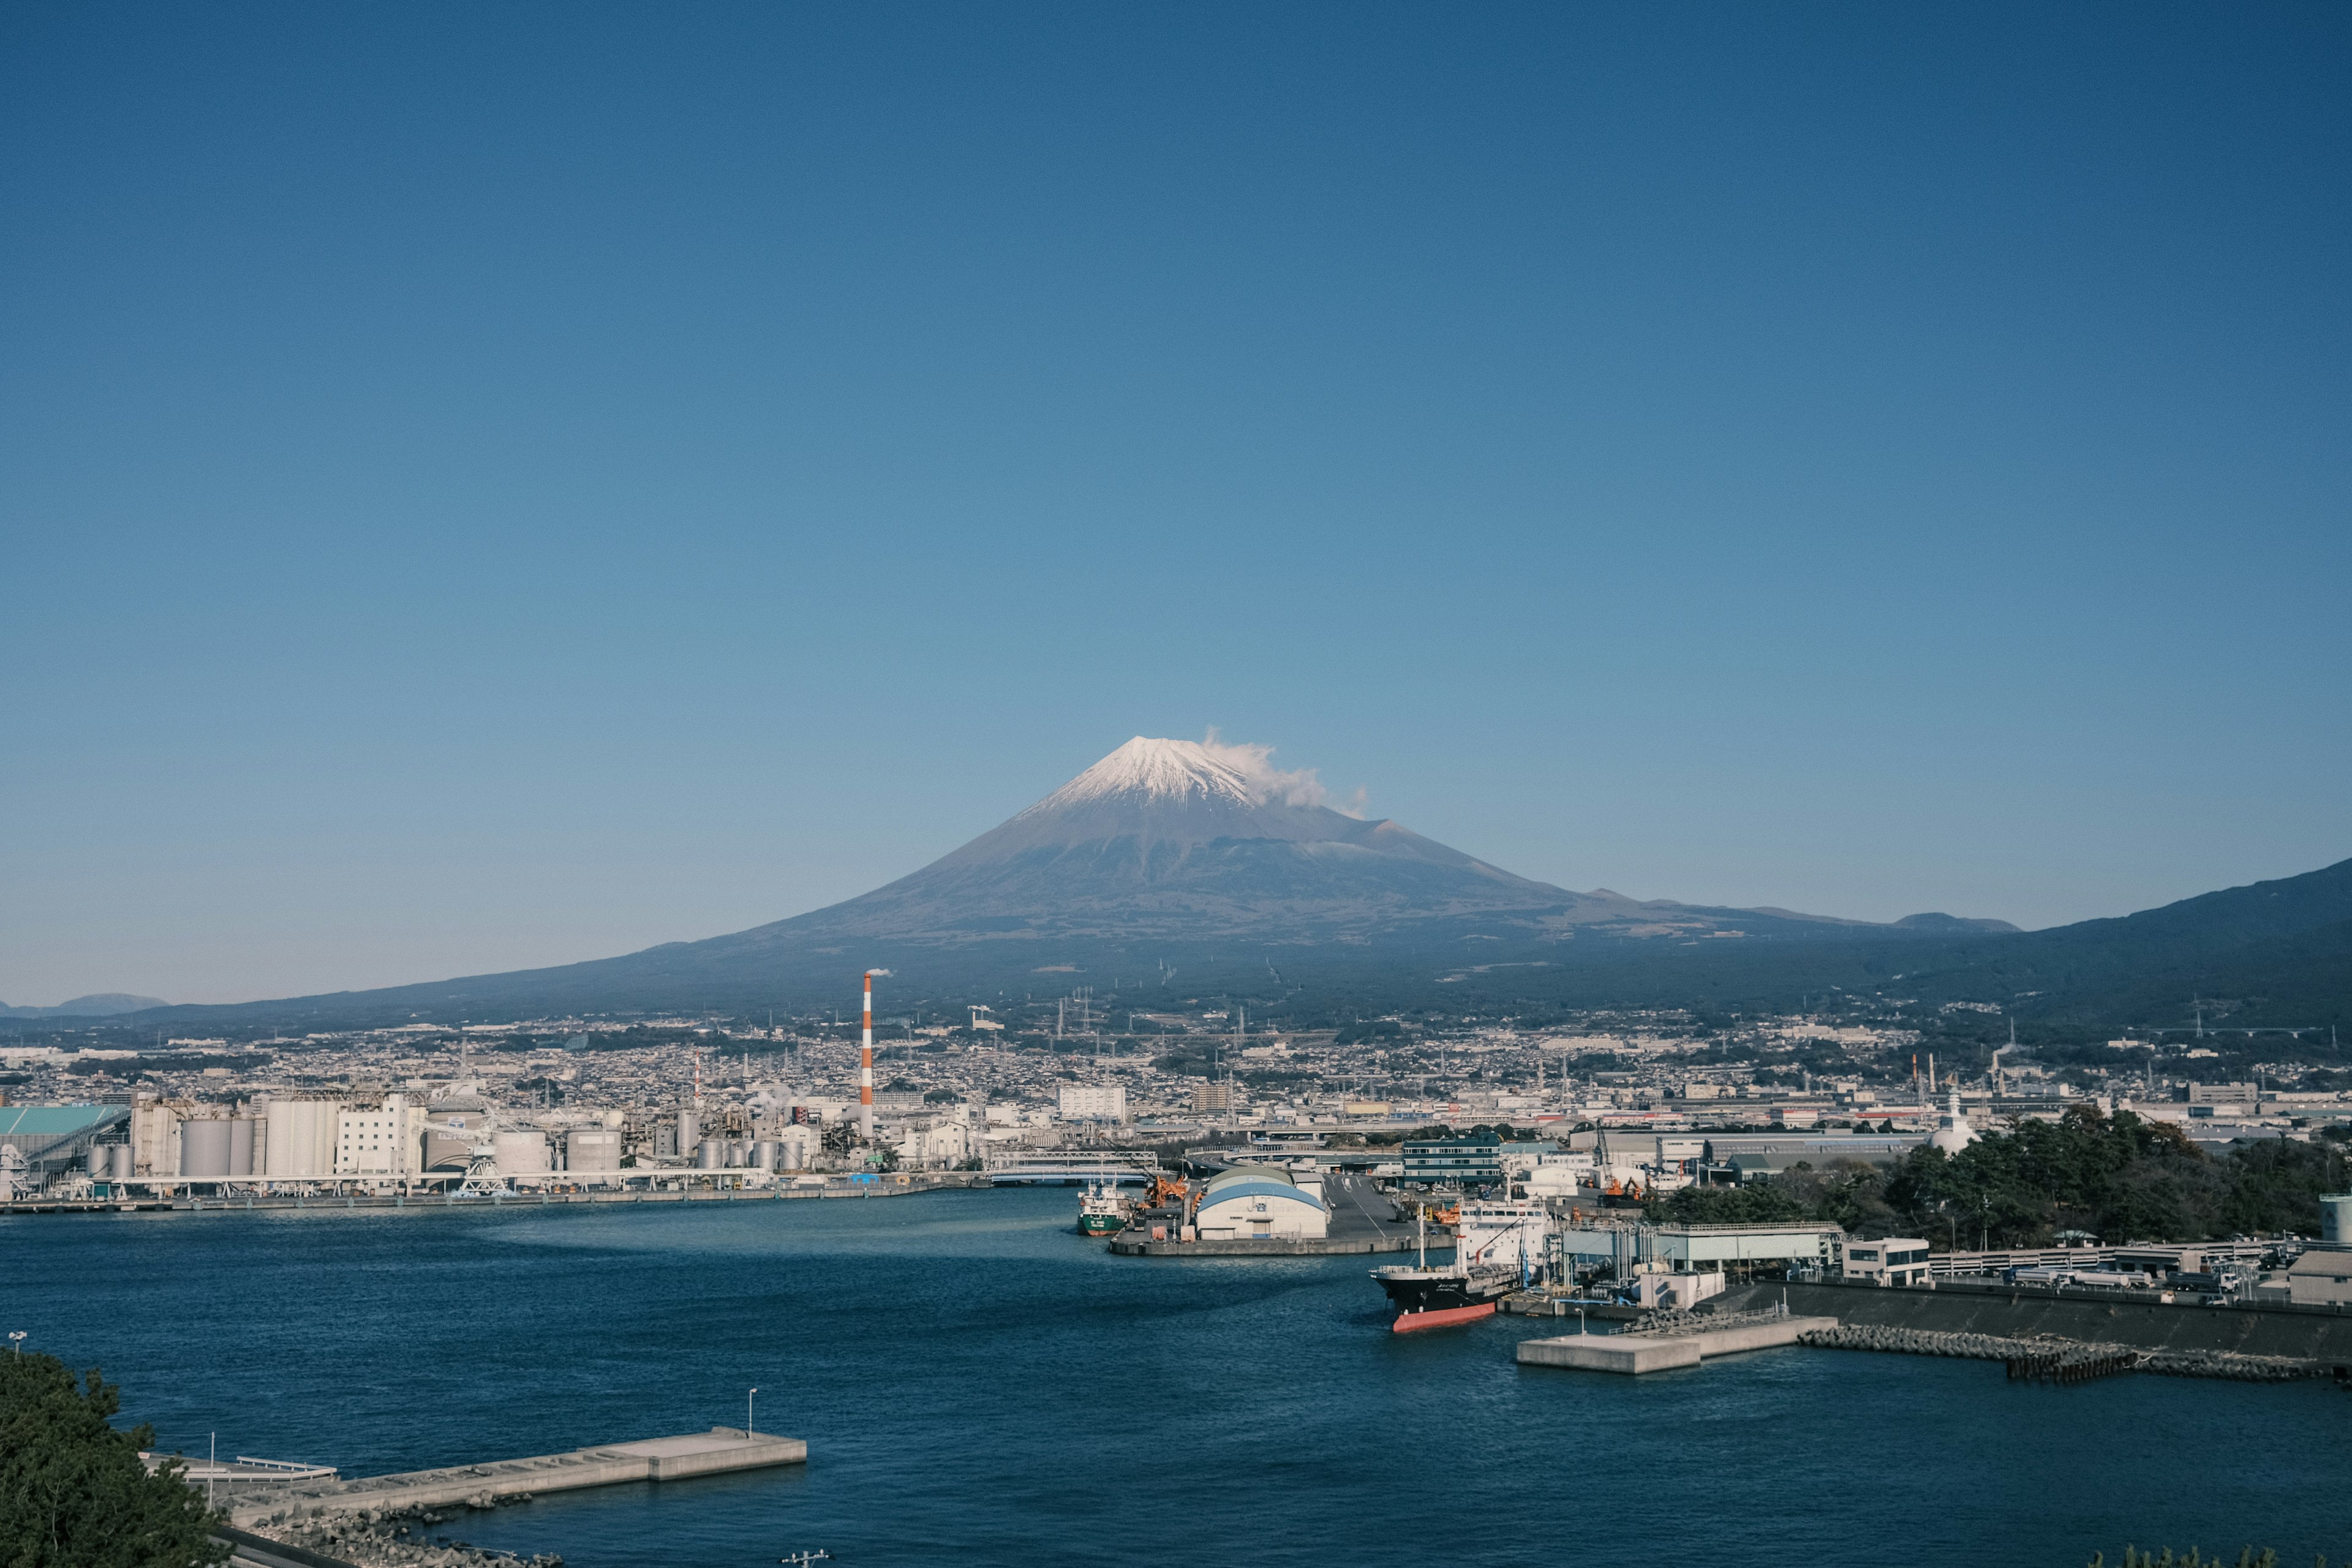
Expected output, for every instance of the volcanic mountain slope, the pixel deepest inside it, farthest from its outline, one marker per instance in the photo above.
(1176, 840)
(1169, 839)
(1163, 852)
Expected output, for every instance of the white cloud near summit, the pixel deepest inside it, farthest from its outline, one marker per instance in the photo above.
(1269, 783)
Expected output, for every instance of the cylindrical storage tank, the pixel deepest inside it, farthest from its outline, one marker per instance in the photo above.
(118, 1157)
(795, 1143)
(764, 1154)
(2336, 1217)
(734, 1152)
(523, 1154)
(301, 1139)
(445, 1151)
(279, 1155)
(203, 1149)
(690, 1132)
(713, 1155)
(592, 1148)
(240, 1146)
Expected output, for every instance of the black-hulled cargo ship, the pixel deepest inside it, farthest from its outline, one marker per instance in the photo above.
(1496, 1247)
(1427, 1297)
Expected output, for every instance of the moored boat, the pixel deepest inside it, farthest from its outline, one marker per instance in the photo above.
(1496, 1248)
(1100, 1212)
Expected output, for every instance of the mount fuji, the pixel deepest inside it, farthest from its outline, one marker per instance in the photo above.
(1202, 859)
(1165, 854)
(1184, 839)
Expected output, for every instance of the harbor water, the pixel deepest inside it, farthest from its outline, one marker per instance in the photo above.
(979, 1383)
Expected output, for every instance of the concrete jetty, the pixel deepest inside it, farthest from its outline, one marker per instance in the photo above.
(720, 1450)
(1637, 1353)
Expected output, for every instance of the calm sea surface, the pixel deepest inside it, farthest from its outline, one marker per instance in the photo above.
(980, 1384)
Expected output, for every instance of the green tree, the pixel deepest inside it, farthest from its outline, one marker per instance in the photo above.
(74, 1492)
(1755, 1203)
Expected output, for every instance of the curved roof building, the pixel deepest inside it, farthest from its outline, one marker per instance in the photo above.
(1260, 1200)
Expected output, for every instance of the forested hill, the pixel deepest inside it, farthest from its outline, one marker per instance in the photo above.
(2275, 955)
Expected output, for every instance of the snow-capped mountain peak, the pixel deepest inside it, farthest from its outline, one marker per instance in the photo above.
(1154, 770)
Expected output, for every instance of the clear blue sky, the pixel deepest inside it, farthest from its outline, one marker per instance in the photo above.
(488, 486)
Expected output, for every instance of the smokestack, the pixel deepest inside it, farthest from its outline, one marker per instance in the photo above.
(866, 1062)
(866, 1066)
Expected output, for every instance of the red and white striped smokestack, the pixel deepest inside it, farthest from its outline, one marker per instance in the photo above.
(866, 1062)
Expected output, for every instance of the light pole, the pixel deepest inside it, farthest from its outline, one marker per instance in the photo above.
(747, 1412)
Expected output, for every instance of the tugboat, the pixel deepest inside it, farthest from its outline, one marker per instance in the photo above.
(1101, 1213)
(1496, 1246)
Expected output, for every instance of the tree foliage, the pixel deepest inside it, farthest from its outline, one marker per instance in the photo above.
(2117, 1177)
(74, 1492)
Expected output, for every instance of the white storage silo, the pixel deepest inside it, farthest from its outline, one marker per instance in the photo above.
(712, 1156)
(794, 1142)
(522, 1152)
(689, 1133)
(119, 1158)
(2335, 1218)
(240, 1146)
(300, 1142)
(764, 1154)
(205, 1148)
(590, 1151)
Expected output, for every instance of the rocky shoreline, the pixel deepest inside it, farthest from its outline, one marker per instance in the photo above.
(399, 1538)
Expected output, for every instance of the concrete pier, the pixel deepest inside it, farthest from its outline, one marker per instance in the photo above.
(718, 1450)
(1637, 1353)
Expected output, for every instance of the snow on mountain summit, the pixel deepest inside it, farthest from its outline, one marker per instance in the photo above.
(1180, 771)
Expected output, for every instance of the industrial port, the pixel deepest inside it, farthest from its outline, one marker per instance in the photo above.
(94, 1111)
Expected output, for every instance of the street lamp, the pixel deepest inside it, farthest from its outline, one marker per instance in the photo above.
(747, 1413)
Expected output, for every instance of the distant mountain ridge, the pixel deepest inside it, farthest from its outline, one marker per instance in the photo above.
(102, 1004)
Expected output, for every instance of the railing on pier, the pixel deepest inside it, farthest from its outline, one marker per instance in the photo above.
(1075, 1165)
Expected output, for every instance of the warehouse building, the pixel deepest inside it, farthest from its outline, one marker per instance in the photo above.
(1262, 1202)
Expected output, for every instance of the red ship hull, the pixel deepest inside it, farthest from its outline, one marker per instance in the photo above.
(1438, 1316)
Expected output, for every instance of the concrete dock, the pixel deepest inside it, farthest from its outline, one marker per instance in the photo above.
(717, 1451)
(1637, 1353)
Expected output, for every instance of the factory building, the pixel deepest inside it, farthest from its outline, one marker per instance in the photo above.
(1262, 1201)
(1892, 1262)
(387, 1142)
(37, 1141)
(1738, 1251)
(1473, 1161)
(942, 1143)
